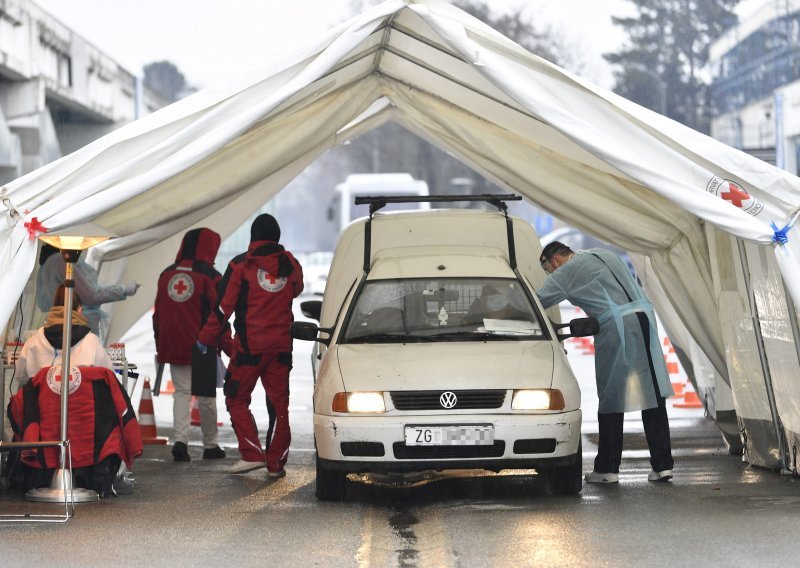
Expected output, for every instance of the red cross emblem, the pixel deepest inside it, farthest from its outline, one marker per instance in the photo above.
(736, 195)
(54, 379)
(180, 287)
(270, 282)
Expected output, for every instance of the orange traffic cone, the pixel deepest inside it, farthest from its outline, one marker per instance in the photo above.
(147, 419)
(690, 400)
(195, 414)
(169, 388)
(673, 367)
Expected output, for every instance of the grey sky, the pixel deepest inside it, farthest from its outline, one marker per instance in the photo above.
(212, 41)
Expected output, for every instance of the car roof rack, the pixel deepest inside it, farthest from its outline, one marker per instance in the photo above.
(377, 202)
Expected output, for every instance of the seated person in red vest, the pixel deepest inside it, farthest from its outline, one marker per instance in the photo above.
(101, 426)
(43, 349)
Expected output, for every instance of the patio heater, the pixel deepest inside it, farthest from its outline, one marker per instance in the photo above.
(70, 242)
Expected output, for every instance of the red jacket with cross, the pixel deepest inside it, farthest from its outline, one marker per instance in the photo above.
(187, 293)
(101, 420)
(258, 287)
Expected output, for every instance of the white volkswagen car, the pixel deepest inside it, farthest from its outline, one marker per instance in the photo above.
(435, 353)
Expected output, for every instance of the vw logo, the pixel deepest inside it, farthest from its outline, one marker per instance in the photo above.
(448, 399)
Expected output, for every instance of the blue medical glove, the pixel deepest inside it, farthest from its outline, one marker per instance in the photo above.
(131, 288)
(202, 348)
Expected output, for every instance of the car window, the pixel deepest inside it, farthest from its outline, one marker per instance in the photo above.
(443, 309)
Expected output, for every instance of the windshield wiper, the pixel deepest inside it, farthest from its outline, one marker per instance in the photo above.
(477, 336)
(388, 338)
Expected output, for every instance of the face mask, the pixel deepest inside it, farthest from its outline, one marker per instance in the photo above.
(496, 302)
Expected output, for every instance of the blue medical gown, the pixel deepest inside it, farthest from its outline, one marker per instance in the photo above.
(622, 359)
(52, 274)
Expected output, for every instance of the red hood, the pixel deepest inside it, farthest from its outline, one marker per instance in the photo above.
(200, 244)
(271, 257)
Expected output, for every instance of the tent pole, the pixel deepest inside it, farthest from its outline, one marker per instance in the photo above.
(792, 309)
(762, 354)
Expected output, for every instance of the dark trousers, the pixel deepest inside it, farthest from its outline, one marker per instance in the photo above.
(98, 477)
(656, 430)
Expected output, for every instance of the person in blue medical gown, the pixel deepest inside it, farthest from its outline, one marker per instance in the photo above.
(629, 366)
(52, 271)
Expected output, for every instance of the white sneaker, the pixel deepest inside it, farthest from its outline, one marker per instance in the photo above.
(280, 473)
(665, 475)
(596, 477)
(244, 466)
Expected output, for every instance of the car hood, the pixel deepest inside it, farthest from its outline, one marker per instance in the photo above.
(432, 366)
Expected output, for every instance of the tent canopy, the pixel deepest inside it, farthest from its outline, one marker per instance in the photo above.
(595, 160)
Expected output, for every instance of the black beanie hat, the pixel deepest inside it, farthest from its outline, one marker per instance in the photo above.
(265, 228)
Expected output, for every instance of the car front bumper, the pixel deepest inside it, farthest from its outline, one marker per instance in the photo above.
(522, 441)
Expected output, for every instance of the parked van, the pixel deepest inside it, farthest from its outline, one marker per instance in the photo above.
(343, 210)
(434, 352)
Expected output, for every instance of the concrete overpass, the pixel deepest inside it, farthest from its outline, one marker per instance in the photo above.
(58, 92)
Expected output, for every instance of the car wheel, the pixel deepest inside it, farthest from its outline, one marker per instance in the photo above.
(568, 479)
(331, 484)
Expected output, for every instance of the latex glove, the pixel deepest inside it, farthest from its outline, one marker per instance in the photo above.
(202, 348)
(131, 288)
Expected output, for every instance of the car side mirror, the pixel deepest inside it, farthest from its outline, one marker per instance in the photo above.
(583, 327)
(579, 327)
(311, 309)
(307, 331)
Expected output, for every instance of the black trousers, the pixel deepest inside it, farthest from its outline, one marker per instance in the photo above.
(656, 430)
(98, 477)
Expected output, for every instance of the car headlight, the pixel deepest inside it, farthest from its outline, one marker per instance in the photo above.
(537, 399)
(358, 402)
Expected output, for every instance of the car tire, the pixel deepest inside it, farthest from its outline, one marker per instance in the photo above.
(568, 479)
(331, 484)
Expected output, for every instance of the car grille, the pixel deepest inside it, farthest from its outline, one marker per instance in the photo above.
(403, 452)
(465, 399)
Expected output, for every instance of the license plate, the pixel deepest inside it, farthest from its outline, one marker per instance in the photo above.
(471, 435)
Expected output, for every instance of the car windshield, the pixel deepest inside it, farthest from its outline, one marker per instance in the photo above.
(442, 309)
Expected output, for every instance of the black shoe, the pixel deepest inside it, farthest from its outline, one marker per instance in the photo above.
(215, 453)
(180, 452)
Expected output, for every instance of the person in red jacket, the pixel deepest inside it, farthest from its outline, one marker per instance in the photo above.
(187, 293)
(258, 287)
(102, 426)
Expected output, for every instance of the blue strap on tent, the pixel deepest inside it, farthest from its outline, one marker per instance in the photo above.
(780, 234)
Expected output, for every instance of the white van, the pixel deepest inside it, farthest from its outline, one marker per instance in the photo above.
(343, 208)
(434, 352)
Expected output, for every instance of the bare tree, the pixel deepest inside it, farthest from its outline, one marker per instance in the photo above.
(661, 66)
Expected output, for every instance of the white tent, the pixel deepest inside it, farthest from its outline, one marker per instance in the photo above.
(666, 193)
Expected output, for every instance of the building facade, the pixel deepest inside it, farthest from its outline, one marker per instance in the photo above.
(755, 86)
(58, 92)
